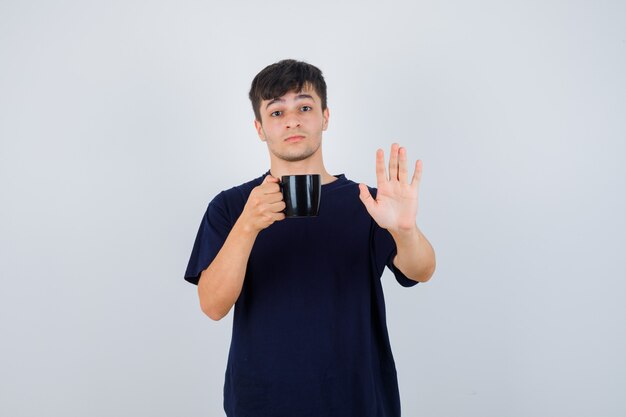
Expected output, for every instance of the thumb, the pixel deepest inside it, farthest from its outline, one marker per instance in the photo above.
(366, 198)
(269, 178)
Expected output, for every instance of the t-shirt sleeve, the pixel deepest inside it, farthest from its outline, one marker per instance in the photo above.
(212, 234)
(400, 277)
(384, 252)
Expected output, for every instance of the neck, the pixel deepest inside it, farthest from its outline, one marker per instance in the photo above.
(307, 166)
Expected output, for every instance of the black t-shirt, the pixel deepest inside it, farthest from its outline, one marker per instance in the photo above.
(309, 330)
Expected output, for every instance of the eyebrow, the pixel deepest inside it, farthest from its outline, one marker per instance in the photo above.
(298, 97)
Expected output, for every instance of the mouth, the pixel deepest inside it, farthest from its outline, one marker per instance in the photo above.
(295, 138)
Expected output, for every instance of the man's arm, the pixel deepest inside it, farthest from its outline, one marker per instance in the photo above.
(415, 257)
(395, 209)
(221, 282)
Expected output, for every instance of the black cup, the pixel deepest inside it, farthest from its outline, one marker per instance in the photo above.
(301, 194)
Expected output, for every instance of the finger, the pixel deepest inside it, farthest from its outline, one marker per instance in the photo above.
(268, 178)
(417, 175)
(366, 198)
(271, 198)
(278, 216)
(393, 163)
(277, 207)
(403, 175)
(381, 174)
(271, 188)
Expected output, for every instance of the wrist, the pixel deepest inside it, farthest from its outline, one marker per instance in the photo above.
(245, 229)
(405, 234)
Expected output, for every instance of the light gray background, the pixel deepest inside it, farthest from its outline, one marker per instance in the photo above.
(120, 120)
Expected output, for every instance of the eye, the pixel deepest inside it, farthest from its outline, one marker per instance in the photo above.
(276, 113)
(306, 108)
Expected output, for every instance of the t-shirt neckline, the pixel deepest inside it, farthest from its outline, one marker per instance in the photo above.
(341, 178)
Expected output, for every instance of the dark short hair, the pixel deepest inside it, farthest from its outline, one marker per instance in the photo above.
(282, 77)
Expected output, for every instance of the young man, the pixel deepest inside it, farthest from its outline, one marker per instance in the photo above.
(309, 331)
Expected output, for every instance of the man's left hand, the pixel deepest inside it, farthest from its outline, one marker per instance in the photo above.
(395, 206)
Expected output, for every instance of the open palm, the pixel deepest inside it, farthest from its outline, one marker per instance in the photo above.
(395, 206)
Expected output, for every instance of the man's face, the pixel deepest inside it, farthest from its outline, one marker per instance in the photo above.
(292, 125)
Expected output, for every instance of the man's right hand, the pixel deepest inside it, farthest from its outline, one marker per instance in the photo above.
(264, 206)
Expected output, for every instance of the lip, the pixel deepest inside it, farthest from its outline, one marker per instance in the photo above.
(295, 138)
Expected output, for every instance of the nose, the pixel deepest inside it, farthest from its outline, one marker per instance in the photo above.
(292, 121)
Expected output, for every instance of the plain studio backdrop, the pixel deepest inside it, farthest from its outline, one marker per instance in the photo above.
(120, 120)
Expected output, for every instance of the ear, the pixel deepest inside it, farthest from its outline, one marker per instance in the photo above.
(325, 115)
(259, 129)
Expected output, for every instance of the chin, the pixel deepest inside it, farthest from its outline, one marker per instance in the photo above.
(295, 157)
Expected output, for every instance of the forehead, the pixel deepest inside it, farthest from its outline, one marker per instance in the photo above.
(307, 92)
